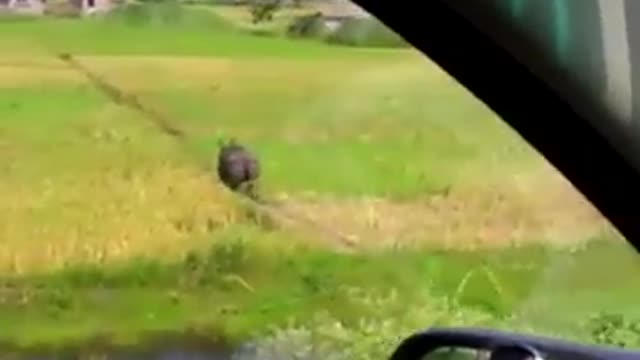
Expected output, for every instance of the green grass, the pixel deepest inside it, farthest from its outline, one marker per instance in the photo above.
(242, 289)
(314, 117)
(107, 226)
(157, 31)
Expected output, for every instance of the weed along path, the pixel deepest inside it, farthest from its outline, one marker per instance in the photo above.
(394, 200)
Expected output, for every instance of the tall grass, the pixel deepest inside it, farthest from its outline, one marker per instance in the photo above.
(367, 32)
(241, 289)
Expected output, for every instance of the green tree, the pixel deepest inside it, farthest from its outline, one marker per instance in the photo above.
(263, 10)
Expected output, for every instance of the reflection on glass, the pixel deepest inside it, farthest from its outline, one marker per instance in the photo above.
(458, 353)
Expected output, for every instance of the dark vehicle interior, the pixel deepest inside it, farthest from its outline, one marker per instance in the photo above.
(545, 105)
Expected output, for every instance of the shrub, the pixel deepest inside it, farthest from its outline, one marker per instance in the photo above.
(615, 329)
(366, 33)
(263, 10)
(132, 14)
(307, 26)
(166, 13)
(262, 32)
(62, 9)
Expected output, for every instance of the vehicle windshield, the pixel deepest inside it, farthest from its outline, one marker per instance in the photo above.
(583, 49)
(290, 180)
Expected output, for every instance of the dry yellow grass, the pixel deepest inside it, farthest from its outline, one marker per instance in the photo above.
(151, 72)
(547, 210)
(165, 211)
(134, 73)
(20, 71)
(162, 210)
(109, 215)
(241, 16)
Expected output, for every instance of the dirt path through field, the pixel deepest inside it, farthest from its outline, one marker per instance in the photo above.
(541, 208)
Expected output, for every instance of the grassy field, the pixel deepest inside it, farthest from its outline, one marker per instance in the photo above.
(110, 228)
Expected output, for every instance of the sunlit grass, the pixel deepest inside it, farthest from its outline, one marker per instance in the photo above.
(378, 146)
(97, 181)
(251, 283)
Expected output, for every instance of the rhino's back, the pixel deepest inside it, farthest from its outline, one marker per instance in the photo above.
(236, 165)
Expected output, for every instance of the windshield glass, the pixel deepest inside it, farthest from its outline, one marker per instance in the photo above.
(273, 180)
(585, 49)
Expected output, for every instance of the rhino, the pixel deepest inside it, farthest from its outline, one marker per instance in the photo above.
(238, 168)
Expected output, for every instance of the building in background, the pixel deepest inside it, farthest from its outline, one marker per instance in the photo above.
(56, 7)
(23, 7)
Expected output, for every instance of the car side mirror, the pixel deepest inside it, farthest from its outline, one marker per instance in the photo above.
(487, 344)
(497, 353)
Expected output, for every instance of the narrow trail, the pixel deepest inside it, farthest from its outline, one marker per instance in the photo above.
(165, 125)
